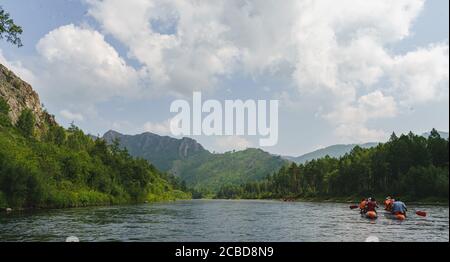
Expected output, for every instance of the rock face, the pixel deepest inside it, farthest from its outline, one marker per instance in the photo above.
(20, 95)
(161, 151)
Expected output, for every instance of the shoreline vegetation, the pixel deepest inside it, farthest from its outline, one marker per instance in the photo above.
(410, 167)
(52, 167)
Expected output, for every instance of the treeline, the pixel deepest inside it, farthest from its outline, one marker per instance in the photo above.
(410, 166)
(66, 168)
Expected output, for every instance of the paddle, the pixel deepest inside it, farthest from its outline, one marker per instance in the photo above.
(421, 213)
(354, 207)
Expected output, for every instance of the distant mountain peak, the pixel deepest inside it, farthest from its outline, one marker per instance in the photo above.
(111, 133)
(161, 151)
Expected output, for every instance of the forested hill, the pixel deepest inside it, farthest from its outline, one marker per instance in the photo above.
(199, 168)
(43, 165)
(208, 172)
(340, 150)
(410, 166)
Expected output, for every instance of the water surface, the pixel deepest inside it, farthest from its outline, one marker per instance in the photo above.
(222, 220)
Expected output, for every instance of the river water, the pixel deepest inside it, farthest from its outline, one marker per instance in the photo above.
(223, 220)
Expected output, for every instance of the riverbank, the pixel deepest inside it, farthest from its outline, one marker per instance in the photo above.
(160, 197)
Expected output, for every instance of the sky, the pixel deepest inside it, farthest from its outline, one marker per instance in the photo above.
(348, 71)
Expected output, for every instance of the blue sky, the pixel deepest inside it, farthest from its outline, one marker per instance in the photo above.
(344, 71)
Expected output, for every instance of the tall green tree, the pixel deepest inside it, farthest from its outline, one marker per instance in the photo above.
(4, 107)
(438, 149)
(26, 123)
(56, 135)
(4, 111)
(9, 30)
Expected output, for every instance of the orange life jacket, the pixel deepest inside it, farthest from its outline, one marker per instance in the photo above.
(389, 204)
(362, 205)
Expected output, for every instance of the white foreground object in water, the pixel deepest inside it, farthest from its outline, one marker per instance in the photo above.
(72, 239)
(372, 239)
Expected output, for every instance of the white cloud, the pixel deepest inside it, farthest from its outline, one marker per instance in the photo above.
(423, 75)
(18, 68)
(227, 143)
(79, 66)
(162, 128)
(190, 58)
(71, 116)
(343, 54)
(340, 44)
(358, 133)
(337, 55)
(351, 120)
(376, 105)
(337, 49)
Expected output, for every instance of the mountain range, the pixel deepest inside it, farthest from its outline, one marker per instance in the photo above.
(201, 169)
(195, 165)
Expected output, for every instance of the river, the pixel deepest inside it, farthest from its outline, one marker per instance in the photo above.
(222, 220)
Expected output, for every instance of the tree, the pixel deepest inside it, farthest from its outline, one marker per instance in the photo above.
(409, 165)
(8, 29)
(26, 123)
(4, 110)
(393, 137)
(438, 148)
(4, 107)
(56, 135)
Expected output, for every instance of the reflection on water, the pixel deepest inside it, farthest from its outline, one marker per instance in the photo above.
(221, 220)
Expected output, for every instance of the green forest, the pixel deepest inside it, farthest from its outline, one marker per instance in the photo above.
(410, 166)
(59, 168)
(207, 172)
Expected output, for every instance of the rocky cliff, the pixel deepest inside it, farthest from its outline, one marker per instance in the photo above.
(20, 95)
(162, 151)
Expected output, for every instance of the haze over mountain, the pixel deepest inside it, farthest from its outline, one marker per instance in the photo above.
(441, 133)
(332, 151)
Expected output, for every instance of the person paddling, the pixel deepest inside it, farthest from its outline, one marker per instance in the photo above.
(399, 208)
(363, 206)
(388, 203)
(372, 205)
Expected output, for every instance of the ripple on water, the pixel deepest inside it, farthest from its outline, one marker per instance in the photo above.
(217, 220)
